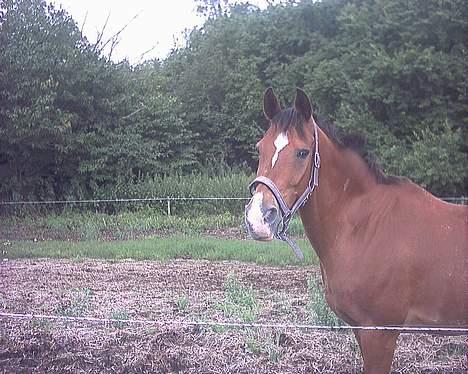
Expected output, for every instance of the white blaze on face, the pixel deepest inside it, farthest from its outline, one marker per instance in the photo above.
(254, 216)
(281, 141)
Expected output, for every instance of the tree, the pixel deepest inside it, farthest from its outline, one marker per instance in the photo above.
(72, 122)
(39, 51)
(152, 139)
(433, 160)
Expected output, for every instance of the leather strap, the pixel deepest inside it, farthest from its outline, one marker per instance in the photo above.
(286, 212)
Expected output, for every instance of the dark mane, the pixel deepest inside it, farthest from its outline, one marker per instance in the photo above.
(290, 118)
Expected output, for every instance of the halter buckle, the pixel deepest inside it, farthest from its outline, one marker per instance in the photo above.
(317, 160)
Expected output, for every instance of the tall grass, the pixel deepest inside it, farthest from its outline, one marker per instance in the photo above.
(127, 225)
(225, 182)
(228, 183)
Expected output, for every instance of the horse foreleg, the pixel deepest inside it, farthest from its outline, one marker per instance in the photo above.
(377, 349)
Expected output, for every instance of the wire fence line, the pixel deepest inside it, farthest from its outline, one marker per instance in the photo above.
(239, 325)
(132, 200)
(462, 200)
(167, 199)
(170, 200)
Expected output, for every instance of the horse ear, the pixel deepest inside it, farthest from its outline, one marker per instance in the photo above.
(271, 106)
(302, 104)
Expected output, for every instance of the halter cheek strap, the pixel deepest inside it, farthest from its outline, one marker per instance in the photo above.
(286, 212)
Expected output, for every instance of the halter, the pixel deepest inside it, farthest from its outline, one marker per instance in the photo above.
(286, 213)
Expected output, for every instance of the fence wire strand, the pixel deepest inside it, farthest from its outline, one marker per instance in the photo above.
(239, 325)
(135, 200)
(461, 200)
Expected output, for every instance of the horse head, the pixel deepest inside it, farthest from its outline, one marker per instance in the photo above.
(287, 169)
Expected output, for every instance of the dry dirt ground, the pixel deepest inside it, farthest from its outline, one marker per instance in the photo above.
(181, 290)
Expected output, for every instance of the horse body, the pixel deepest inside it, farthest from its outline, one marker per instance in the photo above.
(394, 250)
(390, 252)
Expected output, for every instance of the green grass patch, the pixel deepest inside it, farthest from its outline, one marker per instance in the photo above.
(182, 303)
(240, 301)
(319, 311)
(140, 220)
(120, 315)
(75, 303)
(163, 249)
(264, 343)
(129, 224)
(92, 225)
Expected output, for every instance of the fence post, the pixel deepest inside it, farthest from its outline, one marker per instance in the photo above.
(168, 206)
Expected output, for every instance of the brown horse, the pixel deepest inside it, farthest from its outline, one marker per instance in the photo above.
(391, 254)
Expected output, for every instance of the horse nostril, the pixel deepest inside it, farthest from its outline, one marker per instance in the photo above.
(271, 215)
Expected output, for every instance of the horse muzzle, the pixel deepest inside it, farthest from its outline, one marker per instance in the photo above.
(262, 218)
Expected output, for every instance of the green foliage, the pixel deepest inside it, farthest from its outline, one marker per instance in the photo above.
(320, 312)
(120, 315)
(75, 303)
(132, 224)
(182, 303)
(72, 121)
(38, 49)
(219, 183)
(152, 139)
(74, 124)
(387, 69)
(163, 249)
(434, 160)
(240, 301)
(258, 342)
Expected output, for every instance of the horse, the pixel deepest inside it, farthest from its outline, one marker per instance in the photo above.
(390, 253)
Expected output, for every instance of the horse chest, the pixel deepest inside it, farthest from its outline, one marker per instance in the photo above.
(340, 295)
(349, 292)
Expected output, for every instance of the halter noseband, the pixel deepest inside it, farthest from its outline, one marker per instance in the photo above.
(286, 212)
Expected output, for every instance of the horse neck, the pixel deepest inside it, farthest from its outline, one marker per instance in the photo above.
(343, 176)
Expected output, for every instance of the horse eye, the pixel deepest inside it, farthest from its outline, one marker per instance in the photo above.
(303, 153)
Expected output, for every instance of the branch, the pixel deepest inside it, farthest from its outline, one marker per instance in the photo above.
(100, 35)
(114, 38)
(83, 24)
(143, 106)
(144, 53)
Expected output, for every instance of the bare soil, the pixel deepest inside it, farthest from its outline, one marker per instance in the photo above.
(180, 290)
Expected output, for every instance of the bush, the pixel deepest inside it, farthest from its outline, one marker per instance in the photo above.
(435, 160)
(231, 183)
